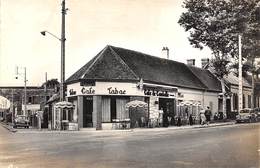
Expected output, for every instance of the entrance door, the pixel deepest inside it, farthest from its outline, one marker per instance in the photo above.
(87, 111)
(168, 106)
(228, 108)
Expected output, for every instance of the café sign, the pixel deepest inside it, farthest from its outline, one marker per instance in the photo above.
(89, 90)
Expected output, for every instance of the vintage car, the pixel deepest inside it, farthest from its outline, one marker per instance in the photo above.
(246, 115)
(21, 121)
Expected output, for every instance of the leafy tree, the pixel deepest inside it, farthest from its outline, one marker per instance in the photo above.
(216, 24)
(52, 83)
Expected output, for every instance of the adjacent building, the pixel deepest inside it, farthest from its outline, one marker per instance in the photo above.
(36, 97)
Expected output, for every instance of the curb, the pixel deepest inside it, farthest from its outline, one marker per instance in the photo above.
(216, 125)
(186, 127)
(9, 128)
(118, 131)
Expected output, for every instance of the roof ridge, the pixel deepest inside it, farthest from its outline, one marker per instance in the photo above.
(122, 61)
(91, 65)
(165, 59)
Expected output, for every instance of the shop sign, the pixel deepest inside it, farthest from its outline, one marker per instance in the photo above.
(115, 91)
(72, 92)
(154, 92)
(87, 90)
(180, 95)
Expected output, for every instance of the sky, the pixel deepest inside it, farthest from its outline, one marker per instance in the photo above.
(146, 26)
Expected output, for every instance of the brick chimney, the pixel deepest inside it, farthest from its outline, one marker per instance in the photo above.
(191, 62)
(204, 62)
(165, 52)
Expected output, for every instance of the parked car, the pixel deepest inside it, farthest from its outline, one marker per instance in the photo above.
(246, 115)
(257, 112)
(21, 121)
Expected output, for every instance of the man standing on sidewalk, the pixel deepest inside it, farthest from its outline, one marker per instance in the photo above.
(207, 115)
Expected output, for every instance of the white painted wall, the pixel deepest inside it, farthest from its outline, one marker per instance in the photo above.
(205, 98)
(246, 92)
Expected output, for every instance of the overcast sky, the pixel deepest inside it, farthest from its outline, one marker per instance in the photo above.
(141, 25)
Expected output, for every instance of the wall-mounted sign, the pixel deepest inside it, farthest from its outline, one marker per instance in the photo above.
(88, 83)
(72, 92)
(180, 95)
(89, 90)
(115, 91)
(154, 92)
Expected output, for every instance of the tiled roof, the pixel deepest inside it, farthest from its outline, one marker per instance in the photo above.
(159, 70)
(207, 78)
(114, 63)
(107, 66)
(233, 80)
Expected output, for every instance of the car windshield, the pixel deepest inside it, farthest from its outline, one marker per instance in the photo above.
(21, 117)
(244, 111)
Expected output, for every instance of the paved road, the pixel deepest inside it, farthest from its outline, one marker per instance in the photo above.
(227, 146)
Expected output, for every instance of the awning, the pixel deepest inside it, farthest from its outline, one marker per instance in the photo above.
(53, 98)
(136, 103)
(64, 105)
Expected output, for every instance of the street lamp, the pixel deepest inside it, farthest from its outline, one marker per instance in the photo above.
(62, 40)
(47, 32)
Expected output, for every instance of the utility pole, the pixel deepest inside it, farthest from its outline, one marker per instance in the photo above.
(13, 114)
(240, 79)
(63, 39)
(25, 89)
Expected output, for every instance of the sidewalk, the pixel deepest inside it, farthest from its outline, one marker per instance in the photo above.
(8, 127)
(187, 127)
(93, 130)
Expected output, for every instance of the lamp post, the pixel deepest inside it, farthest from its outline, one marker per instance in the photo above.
(25, 83)
(62, 40)
(240, 79)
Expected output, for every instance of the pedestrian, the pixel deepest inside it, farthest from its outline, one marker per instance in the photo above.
(208, 115)
(216, 116)
(191, 120)
(160, 117)
(202, 119)
(179, 121)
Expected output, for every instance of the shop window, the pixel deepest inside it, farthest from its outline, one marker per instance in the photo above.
(235, 101)
(244, 101)
(117, 109)
(113, 108)
(30, 100)
(249, 101)
(70, 115)
(121, 112)
(64, 115)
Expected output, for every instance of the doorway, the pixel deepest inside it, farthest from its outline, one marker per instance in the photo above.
(87, 112)
(168, 107)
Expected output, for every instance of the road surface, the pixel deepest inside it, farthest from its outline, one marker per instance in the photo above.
(217, 147)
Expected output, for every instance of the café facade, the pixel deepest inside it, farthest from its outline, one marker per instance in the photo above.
(101, 89)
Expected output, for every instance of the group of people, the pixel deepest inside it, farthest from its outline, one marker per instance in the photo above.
(205, 117)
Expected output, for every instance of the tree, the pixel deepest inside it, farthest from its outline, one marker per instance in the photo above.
(216, 24)
(52, 83)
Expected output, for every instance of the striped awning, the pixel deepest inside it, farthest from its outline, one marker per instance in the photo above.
(64, 104)
(136, 103)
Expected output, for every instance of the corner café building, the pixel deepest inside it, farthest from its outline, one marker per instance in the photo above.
(101, 88)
